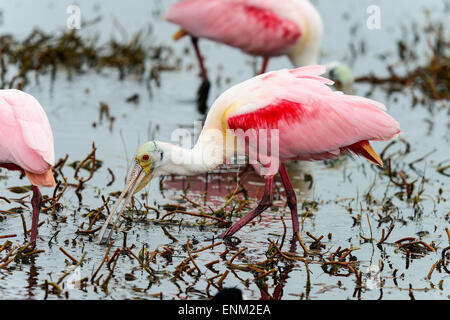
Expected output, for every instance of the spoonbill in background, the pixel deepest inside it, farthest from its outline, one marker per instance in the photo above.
(306, 121)
(264, 28)
(26, 144)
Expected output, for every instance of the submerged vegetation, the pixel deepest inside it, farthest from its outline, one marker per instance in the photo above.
(198, 268)
(170, 249)
(431, 79)
(43, 53)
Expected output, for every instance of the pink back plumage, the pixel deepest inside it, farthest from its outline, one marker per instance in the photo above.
(26, 137)
(314, 122)
(260, 27)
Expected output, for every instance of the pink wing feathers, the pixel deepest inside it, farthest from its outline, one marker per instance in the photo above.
(26, 137)
(314, 122)
(247, 25)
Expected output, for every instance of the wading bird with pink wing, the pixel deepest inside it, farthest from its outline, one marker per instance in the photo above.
(265, 28)
(311, 122)
(26, 144)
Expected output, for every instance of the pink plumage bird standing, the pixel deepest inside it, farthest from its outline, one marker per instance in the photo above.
(306, 121)
(26, 144)
(265, 28)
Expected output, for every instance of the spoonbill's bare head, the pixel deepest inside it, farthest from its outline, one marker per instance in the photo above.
(147, 159)
(342, 76)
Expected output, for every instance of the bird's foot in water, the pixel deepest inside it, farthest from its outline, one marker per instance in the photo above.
(227, 234)
(202, 96)
(229, 240)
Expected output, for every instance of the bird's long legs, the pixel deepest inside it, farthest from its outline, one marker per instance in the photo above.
(36, 201)
(264, 65)
(203, 91)
(266, 202)
(36, 204)
(199, 58)
(291, 197)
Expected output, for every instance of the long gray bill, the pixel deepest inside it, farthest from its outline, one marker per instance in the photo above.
(134, 181)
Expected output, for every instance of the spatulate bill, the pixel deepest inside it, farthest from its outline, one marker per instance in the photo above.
(137, 174)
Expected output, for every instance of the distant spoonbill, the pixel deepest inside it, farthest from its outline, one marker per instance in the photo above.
(264, 28)
(26, 144)
(272, 118)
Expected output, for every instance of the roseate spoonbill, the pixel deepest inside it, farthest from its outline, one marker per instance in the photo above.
(264, 28)
(26, 144)
(272, 118)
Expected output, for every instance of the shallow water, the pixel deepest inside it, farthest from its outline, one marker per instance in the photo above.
(73, 107)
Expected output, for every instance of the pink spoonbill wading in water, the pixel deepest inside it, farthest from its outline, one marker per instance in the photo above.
(265, 28)
(271, 119)
(26, 144)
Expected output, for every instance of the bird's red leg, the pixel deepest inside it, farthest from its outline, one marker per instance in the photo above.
(264, 65)
(291, 197)
(266, 202)
(203, 91)
(36, 203)
(199, 58)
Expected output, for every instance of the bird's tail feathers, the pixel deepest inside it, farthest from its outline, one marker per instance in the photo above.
(45, 179)
(364, 149)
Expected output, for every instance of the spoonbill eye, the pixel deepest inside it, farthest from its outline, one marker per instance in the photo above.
(145, 157)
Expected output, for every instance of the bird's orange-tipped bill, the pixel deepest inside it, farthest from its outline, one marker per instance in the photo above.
(45, 179)
(134, 181)
(363, 148)
(180, 34)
